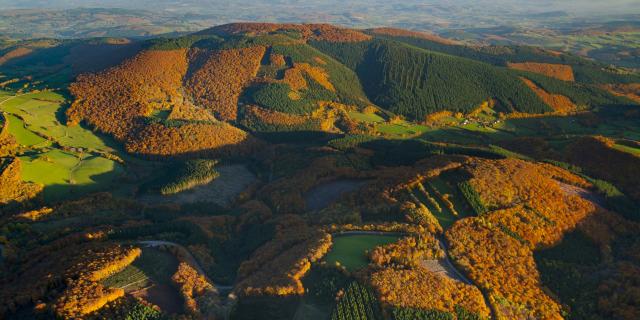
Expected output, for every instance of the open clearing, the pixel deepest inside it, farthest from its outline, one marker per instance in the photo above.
(365, 117)
(321, 196)
(43, 113)
(149, 277)
(351, 251)
(222, 191)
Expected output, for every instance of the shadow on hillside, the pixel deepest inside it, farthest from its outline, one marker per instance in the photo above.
(307, 137)
(102, 182)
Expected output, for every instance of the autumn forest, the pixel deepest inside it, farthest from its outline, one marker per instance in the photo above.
(312, 171)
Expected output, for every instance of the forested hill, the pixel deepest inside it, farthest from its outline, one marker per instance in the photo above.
(239, 79)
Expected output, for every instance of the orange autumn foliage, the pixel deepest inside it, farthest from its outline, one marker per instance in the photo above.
(499, 264)
(104, 264)
(295, 77)
(529, 209)
(189, 112)
(83, 297)
(559, 103)
(316, 73)
(113, 100)
(509, 182)
(432, 118)
(118, 100)
(191, 286)
(12, 188)
(261, 115)
(277, 267)
(419, 288)
(409, 251)
(36, 214)
(8, 143)
(277, 60)
(84, 294)
(203, 139)
(558, 71)
(217, 84)
(629, 90)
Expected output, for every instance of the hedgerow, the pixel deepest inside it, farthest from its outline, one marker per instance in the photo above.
(473, 198)
(358, 303)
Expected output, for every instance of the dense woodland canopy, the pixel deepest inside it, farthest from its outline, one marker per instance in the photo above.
(303, 171)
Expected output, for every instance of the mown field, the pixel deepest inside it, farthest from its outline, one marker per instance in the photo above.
(350, 251)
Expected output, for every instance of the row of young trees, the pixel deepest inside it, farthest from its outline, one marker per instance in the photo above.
(356, 303)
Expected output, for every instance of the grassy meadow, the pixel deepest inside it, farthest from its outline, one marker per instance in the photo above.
(68, 161)
(351, 251)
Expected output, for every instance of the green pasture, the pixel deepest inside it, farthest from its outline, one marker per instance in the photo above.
(351, 251)
(64, 173)
(401, 130)
(24, 136)
(365, 117)
(44, 114)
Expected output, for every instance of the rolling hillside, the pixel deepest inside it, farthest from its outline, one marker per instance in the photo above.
(242, 79)
(307, 171)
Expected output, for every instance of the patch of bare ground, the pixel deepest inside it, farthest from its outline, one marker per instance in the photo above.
(163, 295)
(222, 191)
